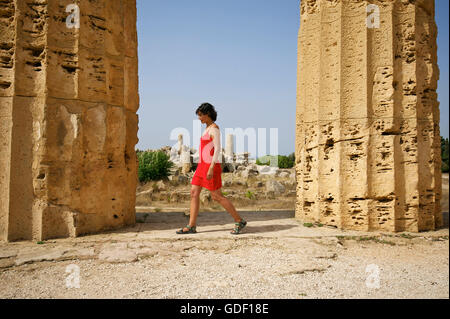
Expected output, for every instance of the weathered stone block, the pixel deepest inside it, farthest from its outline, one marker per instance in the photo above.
(367, 131)
(67, 161)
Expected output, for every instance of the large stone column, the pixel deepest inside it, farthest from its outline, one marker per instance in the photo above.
(68, 122)
(367, 136)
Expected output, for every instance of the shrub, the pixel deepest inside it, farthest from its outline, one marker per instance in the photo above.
(153, 166)
(445, 167)
(283, 161)
(292, 157)
(445, 155)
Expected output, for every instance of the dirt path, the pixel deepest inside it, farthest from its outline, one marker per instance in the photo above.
(275, 257)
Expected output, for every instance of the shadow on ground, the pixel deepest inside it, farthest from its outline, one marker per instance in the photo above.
(177, 220)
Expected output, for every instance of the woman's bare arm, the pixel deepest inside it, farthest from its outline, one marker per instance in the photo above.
(215, 134)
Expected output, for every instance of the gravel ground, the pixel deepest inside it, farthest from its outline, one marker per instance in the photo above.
(316, 265)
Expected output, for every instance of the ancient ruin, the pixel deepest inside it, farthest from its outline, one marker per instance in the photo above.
(367, 139)
(367, 136)
(186, 159)
(250, 186)
(68, 123)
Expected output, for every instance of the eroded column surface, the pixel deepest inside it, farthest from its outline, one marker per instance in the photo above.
(367, 126)
(68, 122)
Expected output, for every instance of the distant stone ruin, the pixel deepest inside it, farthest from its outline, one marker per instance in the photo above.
(186, 159)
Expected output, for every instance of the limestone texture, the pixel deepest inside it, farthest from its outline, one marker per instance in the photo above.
(367, 126)
(68, 122)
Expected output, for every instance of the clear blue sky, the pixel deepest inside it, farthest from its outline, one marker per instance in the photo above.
(240, 56)
(443, 56)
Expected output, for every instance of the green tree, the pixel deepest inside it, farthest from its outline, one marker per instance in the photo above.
(445, 155)
(153, 165)
(283, 161)
(292, 157)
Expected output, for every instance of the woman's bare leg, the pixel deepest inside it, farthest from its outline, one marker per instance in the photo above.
(195, 205)
(225, 202)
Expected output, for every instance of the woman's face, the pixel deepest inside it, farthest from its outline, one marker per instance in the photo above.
(202, 117)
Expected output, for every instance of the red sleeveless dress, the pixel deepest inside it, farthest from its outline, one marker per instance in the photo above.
(199, 177)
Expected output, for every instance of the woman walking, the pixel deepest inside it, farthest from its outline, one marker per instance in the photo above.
(208, 172)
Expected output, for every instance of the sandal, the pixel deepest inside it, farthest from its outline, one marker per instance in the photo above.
(239, 227)
(192, 230)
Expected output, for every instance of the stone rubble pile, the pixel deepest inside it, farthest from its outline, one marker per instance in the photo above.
(238, 170)
(239, 164)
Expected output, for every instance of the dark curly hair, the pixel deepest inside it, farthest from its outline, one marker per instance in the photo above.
(207, 109)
